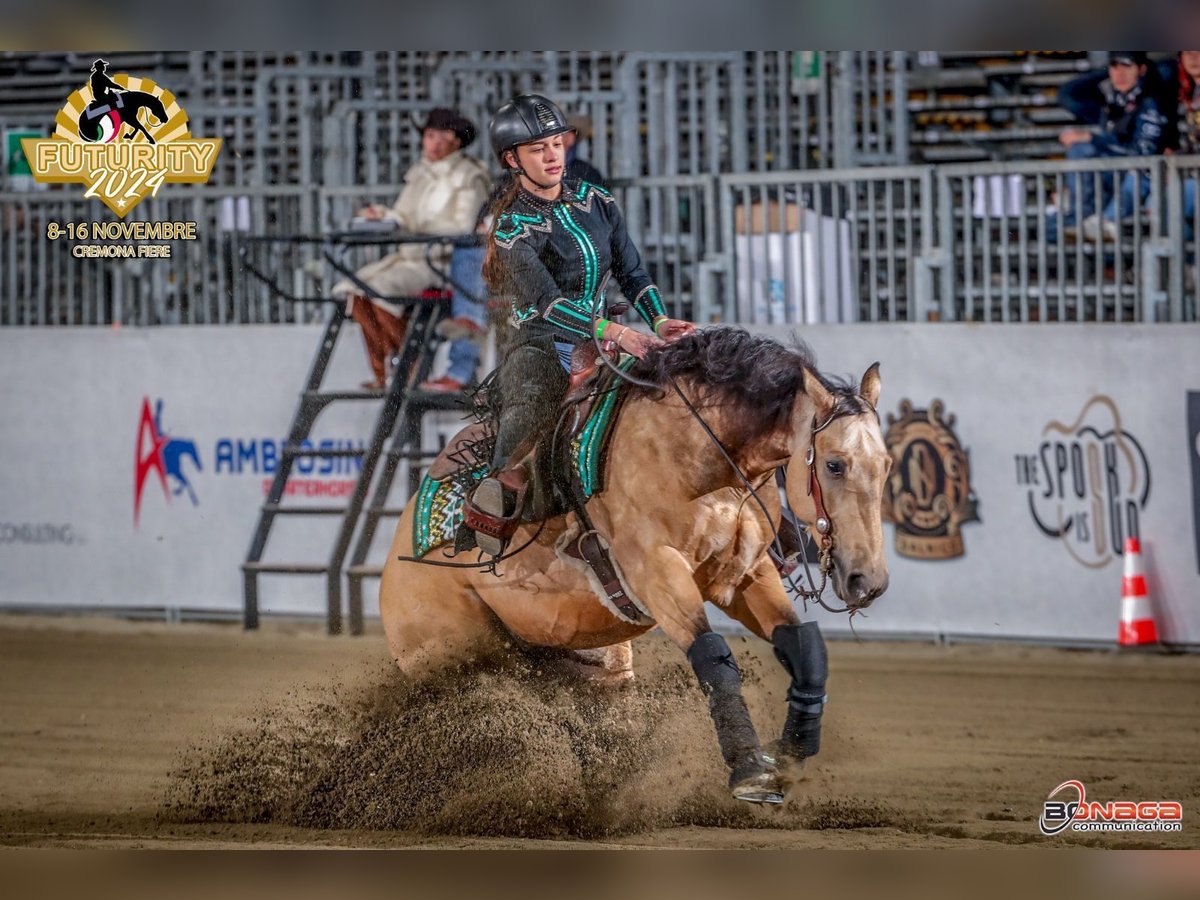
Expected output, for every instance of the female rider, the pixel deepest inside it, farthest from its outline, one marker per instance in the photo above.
(553, 243)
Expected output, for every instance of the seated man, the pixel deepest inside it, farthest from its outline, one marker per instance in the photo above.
(442, 193)
(1129, 108)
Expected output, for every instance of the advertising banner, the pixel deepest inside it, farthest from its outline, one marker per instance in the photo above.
(135, 462)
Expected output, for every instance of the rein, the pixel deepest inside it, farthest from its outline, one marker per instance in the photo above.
(823, 523)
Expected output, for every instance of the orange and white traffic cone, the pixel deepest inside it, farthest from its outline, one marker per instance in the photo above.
(1137, 617)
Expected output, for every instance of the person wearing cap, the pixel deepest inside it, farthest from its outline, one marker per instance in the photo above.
(553, 244)
(578, 167)
(442, 193)
(1128, 106)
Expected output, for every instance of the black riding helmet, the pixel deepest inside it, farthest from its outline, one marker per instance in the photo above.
(524, 119)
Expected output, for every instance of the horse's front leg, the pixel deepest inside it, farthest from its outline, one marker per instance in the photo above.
(763, 606)
(669, 591)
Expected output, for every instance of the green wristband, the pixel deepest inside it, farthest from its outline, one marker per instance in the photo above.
(658, 321)
(601, 324)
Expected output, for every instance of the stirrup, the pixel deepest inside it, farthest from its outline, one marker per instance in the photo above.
(488, 515)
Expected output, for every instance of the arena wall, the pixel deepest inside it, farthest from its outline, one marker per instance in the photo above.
(1088, 430)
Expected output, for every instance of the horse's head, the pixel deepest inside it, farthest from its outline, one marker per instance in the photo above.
(850, 462)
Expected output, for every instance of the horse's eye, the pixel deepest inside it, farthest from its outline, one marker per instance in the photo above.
(835, 468)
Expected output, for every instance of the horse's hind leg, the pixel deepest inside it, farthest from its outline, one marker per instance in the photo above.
(610, 666)
(434, 620)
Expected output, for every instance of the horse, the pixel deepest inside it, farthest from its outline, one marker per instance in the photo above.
(123, 109)
(174, 452)
(683, 528)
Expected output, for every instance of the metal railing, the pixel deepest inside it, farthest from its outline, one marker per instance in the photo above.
(1112, 240)
(285, 114)
(996, 242)
(1050, 241)
(825, 246)
(1183, 212)
(42, 282)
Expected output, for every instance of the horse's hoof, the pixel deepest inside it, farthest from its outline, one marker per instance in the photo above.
(790, 765)
(765, 789)
(755, 780)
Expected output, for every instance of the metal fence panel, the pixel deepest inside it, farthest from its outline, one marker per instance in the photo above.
(1183, 218)
(42, 283)
(673, 222)
(1050, 241)
(825, 246)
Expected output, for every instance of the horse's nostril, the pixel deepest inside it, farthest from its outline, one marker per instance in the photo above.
(857, 583)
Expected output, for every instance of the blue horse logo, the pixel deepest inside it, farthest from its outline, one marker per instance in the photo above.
(174, 452)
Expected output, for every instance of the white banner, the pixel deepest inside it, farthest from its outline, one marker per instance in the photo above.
(133, 463)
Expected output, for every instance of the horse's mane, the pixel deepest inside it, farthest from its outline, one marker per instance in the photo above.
(752, 378)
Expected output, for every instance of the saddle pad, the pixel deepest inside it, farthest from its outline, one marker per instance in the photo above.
(439, 509)
(589, 448)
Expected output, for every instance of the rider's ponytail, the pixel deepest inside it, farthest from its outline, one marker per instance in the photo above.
(494, 272)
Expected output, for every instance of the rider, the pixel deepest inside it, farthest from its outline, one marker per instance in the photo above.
(101, 84)
(552, 244)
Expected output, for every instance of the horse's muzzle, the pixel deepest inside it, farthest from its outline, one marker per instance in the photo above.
(862, 589)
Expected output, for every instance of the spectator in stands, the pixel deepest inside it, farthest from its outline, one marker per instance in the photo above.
(468, 309)
(442, 194)
(1187, 126)
(469, 323)
(1129, 107)
(578, 167)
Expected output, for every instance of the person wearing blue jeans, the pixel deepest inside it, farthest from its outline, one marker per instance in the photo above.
(468, 322)
(1128, 106)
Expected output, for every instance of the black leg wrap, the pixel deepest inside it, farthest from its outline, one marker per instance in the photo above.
(801, 649)
(721, 680)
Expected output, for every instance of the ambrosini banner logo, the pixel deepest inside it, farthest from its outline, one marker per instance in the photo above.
(1087, 483)
(929, 495)
(123, 136)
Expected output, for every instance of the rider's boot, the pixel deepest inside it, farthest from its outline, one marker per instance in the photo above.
(493, 511)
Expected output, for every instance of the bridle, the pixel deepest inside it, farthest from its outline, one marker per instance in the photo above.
(821, 522)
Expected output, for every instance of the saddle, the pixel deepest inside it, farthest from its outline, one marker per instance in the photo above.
(561, 472)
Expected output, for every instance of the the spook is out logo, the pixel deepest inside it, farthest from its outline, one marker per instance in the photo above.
(1088, 483)
(124, 137)
(928, 495)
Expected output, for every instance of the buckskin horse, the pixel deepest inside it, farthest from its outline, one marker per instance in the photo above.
(683, 527)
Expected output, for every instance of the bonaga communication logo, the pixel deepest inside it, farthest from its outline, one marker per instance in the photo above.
(124, 137)
(1081, 814)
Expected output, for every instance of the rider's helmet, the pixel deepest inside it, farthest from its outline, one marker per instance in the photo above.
(524, 119)
(99, 65)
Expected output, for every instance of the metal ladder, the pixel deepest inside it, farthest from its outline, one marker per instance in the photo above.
(405, 445)
(414, 362)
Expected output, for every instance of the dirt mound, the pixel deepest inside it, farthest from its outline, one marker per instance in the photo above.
(505, 751)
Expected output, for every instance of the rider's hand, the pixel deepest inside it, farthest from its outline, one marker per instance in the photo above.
(673, 329)
(370, 212)
(635, 343)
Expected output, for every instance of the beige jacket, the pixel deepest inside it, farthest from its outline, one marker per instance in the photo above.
(442, 197)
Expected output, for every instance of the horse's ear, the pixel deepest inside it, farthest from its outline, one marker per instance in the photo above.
(817, 392)
(871, 385)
